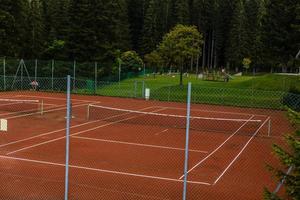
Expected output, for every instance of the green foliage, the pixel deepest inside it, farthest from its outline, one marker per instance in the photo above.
(153, 59)
(55, 49)
(265, 31)
(131, 61)
(7, 24)
(279, 34)
(246, 63)
(136, 15)
(181, 43)
(289, 158)
(236, 49)
(35, 23)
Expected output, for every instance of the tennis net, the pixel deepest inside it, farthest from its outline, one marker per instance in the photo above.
(21, 106)
(248, 126)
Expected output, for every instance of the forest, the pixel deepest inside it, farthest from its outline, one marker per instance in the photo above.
(267, 32)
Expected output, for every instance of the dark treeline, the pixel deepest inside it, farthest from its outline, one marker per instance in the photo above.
(265, 31)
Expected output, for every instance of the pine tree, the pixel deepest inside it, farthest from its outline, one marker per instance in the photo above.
(112, 28)
(16, 11)
(290, 160)
(136, 14)
(224, 13)
(179, 12)
(254, 13)
(278, 33)
(59, 20)
(7, 34)
(236, 48)
(36, 30)
(80, 42)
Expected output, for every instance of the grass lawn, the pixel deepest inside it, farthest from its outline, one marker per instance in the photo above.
(265, 91)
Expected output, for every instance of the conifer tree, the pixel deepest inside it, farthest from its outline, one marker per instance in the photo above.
(36, 30)
(236, 48)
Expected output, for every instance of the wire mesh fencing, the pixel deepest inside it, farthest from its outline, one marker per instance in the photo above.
(127, 139)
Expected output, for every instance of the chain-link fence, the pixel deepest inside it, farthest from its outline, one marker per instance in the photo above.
(128, 139)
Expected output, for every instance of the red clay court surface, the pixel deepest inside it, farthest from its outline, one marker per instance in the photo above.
(118, 160)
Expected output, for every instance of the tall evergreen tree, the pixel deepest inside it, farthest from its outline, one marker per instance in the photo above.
(236, 47)
(279, 35)
(136, 13)
(112, 28)
(254, 11)
(155, 25)
(7, 32)
(16, 11)
(81, 43)
(224, 14)
(36, 39)
(179, 12)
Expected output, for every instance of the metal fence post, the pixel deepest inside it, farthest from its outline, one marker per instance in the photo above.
(96, 77)
(143, 89)
(35, 69)
(187, 141)
(135, 88)
(74, 74)
(4, 72)
(119, 72)
(52, 74)
(68, 118)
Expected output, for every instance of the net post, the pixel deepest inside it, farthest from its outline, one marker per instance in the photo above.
(67, 136)
(88, 112)
(187, 141)
(269, 127)
(42, 107)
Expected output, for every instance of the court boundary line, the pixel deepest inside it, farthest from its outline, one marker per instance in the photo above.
(103, 170)
(137, 144)
(77, 133)
(57, 98)
(55, 131)
(209, 111)
(241, 151)
(216, 149)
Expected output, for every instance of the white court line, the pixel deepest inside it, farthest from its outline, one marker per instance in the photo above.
(213, 111)
(163, 131)
(77, 133)
(59, 130)
(241, 151)
(56, 98)
(101, 170)
(217, 147)
(138, 144)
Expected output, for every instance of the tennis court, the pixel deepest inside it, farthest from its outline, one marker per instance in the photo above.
(133, 149)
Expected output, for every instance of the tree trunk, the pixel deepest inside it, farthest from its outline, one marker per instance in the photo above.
(181, 74)
(192, 63)
(204, 54)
